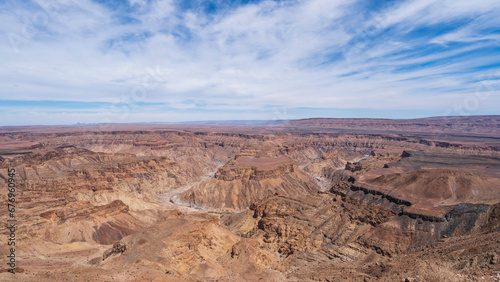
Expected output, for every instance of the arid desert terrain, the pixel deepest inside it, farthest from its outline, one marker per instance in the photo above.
(301, 200)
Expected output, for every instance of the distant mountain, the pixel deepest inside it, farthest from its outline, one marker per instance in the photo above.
(223, 122)
(489, 125)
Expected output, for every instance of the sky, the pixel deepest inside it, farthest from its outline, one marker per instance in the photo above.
(110, 61)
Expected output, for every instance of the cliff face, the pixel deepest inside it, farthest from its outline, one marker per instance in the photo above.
(317, 205)
(230, 173)
(87, 223)
(199, 250)
(432, 190)
(459, 124)
(68, 194)
(349, 227)
(235, 187)
(375, 160)
(327, 224)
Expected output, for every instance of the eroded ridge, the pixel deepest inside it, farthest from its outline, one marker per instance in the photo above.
(285, 202)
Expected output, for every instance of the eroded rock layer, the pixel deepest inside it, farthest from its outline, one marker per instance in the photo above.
(299, 201)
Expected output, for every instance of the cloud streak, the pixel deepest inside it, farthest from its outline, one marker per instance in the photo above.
(221, 60)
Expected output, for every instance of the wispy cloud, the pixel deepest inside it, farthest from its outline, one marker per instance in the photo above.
(197, 60)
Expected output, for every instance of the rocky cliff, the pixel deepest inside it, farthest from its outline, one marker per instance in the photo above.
(237, 184)
(349, 227)
(317, 203)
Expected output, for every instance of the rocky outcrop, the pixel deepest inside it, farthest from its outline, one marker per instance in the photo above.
(195, 250)
(118, 248)
(375, 160)
(245, 179)
(84, 210)
(431, 190)
(236, 185)
(343, 219)
(253, 173)
(353, 167)
(492, 223)
(382, 195)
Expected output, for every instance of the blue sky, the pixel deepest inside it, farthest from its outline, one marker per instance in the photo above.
(69, 61)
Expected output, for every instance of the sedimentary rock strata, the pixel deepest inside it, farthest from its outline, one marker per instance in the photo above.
(313, 200)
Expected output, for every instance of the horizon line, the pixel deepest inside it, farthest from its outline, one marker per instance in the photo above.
(244, 122)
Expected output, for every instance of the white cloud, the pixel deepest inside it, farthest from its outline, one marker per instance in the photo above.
(268, 53)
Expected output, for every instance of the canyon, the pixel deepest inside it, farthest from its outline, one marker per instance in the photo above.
(300, 200)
